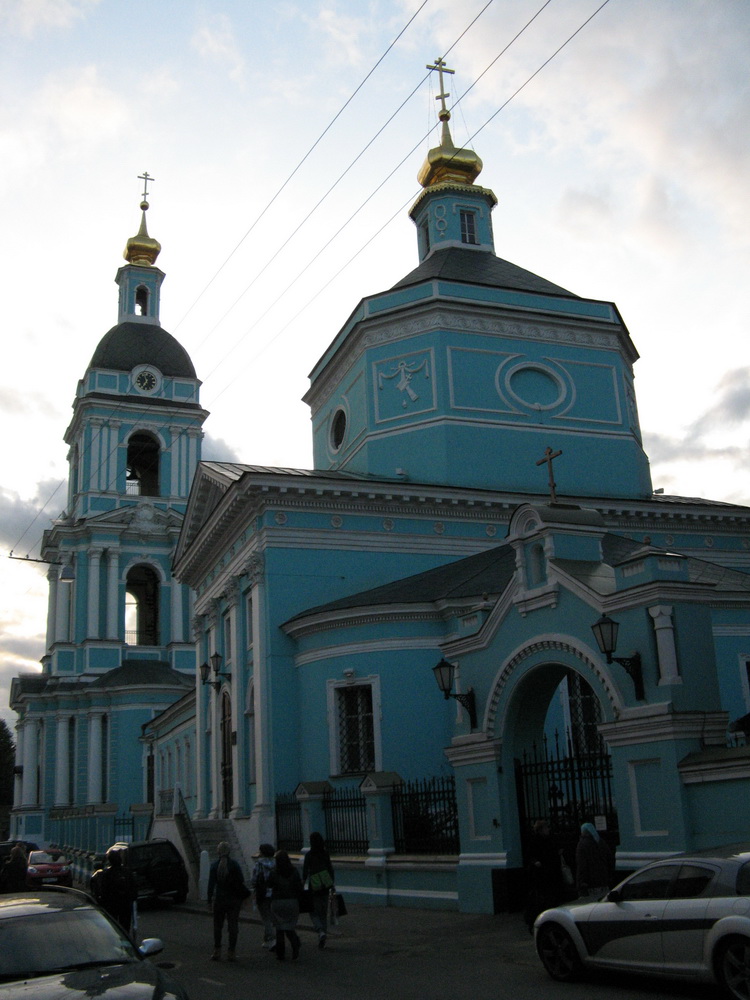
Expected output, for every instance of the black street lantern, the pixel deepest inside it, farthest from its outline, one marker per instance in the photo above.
(444, 673)
(205, 671)
(605, 632)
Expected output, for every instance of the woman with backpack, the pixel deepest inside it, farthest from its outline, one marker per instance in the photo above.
(317, 871)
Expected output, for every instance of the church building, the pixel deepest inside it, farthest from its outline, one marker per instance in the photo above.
(479, 513)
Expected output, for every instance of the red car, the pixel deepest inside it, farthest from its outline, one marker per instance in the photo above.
(47, 868)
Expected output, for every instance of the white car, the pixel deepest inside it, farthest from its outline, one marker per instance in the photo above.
(685, 918)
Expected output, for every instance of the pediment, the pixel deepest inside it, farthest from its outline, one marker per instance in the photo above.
(143, 520)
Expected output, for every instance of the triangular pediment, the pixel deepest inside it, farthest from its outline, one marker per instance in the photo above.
(143, 520)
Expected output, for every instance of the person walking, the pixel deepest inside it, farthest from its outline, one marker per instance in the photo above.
(595, 864)
(115, 889)
(259, 885)
(286, 889)
(317, 871)
(226, 893)
(544, 872)
(13, 874)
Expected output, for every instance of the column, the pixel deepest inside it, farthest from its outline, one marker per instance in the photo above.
(176, 459)
(113, 592)
(62, 792)
(666, 651)
(95, 758)
(214, 725)
(52, 574)
(178, 618)
(29, 791)
(62, 611)
(94, 558)
(18, 775)
(199, 631)
(239, 758)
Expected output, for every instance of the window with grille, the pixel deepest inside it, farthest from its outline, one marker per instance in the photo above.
(355, 729)
(468, 228)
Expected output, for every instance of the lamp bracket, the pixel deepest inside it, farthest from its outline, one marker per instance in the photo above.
(469, 702)
(634, 668)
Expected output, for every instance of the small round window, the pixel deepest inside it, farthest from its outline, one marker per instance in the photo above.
(338, 429)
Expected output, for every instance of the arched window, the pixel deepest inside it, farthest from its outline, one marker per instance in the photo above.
(141, 301)
(142, 607)
(144, 453)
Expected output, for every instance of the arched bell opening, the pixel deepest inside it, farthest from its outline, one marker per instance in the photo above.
(143, 460)
(142, 606)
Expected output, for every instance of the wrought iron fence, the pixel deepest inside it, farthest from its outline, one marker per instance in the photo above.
(346, 821)
(124, 828)
(425, 817)
(565, 789)
(288, 822)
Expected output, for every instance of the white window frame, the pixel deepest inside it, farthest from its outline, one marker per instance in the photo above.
(334, 735)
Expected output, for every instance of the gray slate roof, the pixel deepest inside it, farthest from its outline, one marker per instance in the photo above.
(480, 267)
(129, 344)
(143, 673)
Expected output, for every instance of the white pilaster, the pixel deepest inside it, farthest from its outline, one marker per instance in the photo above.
(95, 758)
(94, 559)
(62, 791)
(113, 592)
(666, 649)
(62, 611)
(52, 577)
(29, 790)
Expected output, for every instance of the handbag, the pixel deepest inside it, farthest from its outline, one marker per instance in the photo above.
(321, 880)
(567, 874)
(336, 907)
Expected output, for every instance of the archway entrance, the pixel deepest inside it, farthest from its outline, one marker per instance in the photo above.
(563, 768)
(226, 754)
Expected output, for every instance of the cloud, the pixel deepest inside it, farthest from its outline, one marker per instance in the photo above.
(214, 41)
(22, 521)
(20, 401)
(732, 406)
(28, 16)
(215, 449)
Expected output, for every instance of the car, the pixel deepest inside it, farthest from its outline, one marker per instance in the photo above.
(685, 917)
(48, 868)
(158, 868)
(58, 941)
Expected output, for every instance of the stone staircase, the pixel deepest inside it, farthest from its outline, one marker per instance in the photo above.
(211, 832)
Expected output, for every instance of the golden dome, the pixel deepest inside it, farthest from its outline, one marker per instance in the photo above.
(142, 249)
(445, 163)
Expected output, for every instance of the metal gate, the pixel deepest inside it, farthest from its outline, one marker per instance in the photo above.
(566, 786)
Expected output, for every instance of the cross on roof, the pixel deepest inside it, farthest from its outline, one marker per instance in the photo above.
(441, 68)
(549, 456)
(145, 177)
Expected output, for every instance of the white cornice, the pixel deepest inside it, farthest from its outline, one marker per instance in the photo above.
(366, 648)
(648, 725)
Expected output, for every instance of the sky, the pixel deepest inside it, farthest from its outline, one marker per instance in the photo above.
(285, 139)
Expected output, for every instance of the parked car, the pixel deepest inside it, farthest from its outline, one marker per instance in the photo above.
(57, 941)
(158, 867)
(684, 917)
(48, 868)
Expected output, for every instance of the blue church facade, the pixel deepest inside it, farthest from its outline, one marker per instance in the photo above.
(480, 498)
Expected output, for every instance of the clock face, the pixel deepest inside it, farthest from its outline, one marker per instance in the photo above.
(146, 381)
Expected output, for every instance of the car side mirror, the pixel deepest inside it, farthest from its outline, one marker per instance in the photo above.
(614, 896)
(151, 946)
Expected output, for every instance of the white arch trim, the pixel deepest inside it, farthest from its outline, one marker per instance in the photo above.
(494, 720)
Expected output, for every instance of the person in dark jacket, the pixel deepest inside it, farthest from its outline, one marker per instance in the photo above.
(115, 889)
(544, 871)
(226, 892)
(13, 874)
(261, 870)
(286, 888)
(595, 864)
(317, 871)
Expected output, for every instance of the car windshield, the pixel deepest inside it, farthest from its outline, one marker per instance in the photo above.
(53, 940)
(43, 858)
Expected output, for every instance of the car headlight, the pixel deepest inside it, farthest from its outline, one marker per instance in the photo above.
(32, 871)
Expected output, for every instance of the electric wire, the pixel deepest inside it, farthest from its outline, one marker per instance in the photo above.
(387, 223)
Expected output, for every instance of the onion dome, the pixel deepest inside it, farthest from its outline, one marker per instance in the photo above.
(447, 164)
(142, 249)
